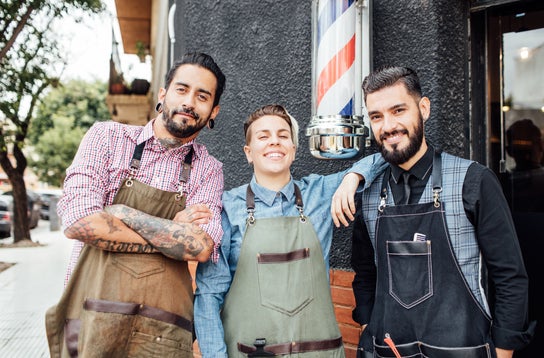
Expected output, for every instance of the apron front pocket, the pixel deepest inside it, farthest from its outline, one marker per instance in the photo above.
(138, 265)
(410, 271)
(422, 350)
(122, 329)
(286, 280)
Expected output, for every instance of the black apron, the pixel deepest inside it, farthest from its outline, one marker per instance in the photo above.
(423, 305)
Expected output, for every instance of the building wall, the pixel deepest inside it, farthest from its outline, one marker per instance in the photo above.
(264, 49)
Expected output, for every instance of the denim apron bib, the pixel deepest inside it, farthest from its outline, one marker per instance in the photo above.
(423, 306)
(280, 301)
(126, 304)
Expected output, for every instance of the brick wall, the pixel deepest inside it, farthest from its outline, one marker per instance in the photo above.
(344, 302)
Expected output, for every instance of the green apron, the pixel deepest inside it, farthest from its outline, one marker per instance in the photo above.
(126, 304)
(280, 299)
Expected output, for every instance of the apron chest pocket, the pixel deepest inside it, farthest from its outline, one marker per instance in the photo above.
(286, 282)
(410, 271)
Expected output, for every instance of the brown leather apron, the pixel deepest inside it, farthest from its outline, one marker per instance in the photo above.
(125, 304)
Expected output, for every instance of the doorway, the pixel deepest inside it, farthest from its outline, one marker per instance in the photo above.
(508, 110)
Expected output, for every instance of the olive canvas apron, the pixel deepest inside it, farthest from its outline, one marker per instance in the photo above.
(280, 302)
(126, 304)
(423, 304)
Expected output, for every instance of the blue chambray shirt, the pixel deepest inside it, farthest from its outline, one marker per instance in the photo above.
(213, 280)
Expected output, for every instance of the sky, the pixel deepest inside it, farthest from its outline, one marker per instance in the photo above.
(88, 46)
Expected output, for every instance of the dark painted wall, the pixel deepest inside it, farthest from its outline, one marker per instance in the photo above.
(264, 49)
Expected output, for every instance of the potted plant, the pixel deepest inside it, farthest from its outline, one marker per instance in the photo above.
(141, 50)
(117, 84)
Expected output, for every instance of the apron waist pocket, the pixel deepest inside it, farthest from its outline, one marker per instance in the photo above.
(138, 309)
(420, 349)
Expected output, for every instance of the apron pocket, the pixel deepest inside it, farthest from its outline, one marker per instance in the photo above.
(152, 338)
(107, 334)
(410, 271)
(286, 282)
(422, 350)
(138, 265)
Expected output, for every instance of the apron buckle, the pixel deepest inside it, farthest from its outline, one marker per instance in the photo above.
(260, 352)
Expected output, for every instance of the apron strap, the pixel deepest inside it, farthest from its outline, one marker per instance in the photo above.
(185, 170)
(437, 178)
(250, 204)
(437, 182)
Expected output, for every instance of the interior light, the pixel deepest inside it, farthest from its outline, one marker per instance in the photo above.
(524, 53)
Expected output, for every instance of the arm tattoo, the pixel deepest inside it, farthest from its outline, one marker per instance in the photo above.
(174, 240)
(126, 247)
(84, 232)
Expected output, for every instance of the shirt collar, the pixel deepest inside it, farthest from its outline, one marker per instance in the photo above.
(420, 170)
(268, 196)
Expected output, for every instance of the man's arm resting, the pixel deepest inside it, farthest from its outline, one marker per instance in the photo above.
(177, 240)
(108, 233)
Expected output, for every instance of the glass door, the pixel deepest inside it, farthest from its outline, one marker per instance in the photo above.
(515, 132)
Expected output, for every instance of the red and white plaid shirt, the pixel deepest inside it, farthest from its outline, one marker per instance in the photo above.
(103, 161)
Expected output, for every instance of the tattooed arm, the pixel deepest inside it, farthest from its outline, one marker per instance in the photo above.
(108, 233)
(175, 239)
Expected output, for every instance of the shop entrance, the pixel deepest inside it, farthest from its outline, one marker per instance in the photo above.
(511, 118)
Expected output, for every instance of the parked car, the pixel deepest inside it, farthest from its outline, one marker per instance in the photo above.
(5, 218)
(34, 206)
(46, 196)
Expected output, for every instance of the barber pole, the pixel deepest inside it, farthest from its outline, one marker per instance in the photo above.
(335, 67)
(337, 129)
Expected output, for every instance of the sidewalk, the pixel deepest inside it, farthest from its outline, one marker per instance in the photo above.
(28, 289)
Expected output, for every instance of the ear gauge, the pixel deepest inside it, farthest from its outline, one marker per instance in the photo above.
(158, 107)
(211, 123)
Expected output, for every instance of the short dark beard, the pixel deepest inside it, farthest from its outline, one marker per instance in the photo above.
(398, 157)
(182, 130)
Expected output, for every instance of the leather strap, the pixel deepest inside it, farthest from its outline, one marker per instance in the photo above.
(295, 347)
(137, 309)
(286, 257)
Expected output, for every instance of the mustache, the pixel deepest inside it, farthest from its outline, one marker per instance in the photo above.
(383, 136)
(185, 111)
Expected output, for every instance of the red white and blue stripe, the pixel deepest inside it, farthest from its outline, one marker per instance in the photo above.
(335, 60)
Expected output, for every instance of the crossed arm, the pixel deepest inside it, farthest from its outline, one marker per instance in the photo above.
(120, 228)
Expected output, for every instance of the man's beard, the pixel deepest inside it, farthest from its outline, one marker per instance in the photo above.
(182, 129)
(398, 157)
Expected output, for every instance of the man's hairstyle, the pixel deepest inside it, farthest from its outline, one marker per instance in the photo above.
(272, 110)
(389, 76)
(205, 61)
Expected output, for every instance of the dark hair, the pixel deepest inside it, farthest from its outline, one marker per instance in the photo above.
(388, 76)
(202, 60)
(272, 110)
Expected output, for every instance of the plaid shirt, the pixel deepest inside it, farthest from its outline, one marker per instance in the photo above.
(103, 161)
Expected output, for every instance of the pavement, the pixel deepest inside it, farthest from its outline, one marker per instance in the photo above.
(29, 288)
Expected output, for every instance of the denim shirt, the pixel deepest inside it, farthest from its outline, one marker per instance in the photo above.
(213, 279)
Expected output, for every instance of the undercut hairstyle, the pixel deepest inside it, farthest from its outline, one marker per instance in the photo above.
(391, 75)
(202, 60)
(272, 110)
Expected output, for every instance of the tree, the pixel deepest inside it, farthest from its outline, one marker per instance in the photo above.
(61, 119)
(30, 62)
